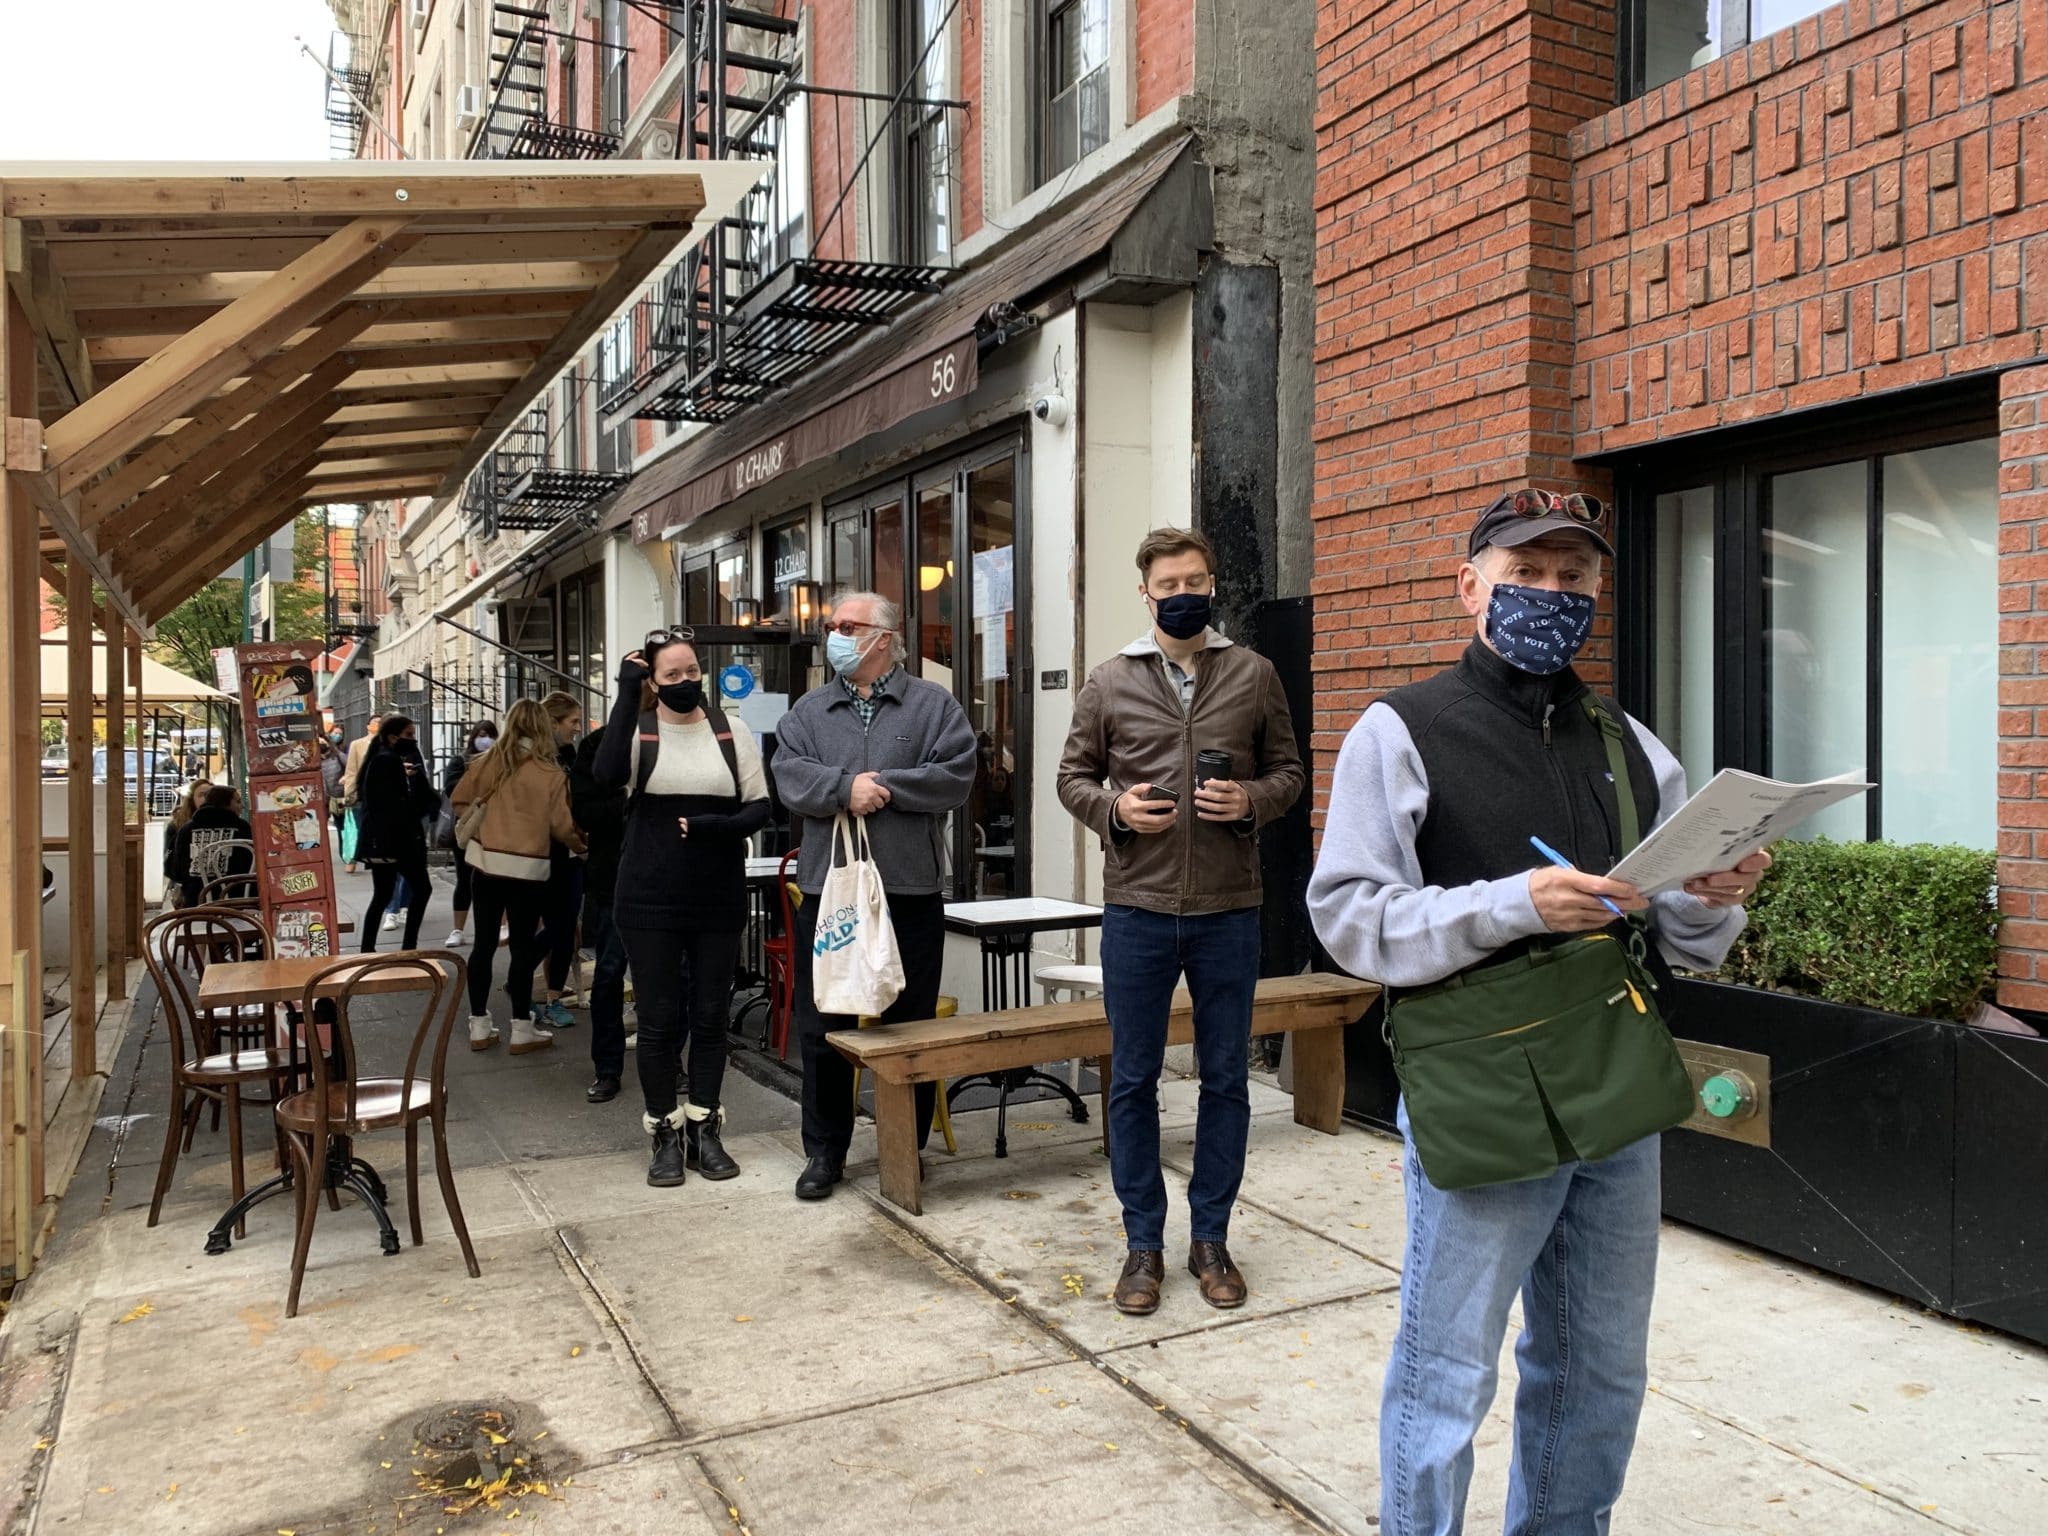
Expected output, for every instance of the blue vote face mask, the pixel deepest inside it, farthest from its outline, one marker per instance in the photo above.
(1536, 629)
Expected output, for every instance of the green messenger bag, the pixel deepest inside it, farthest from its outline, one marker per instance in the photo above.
(1513, 1068)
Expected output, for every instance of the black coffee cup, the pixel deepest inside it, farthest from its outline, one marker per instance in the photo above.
(1211, 764)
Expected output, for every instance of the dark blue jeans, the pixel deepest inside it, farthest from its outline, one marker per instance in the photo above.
(1144, 955)
(607, 991)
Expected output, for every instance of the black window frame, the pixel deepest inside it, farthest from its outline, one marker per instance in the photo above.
(916, 126)
(1738, 465)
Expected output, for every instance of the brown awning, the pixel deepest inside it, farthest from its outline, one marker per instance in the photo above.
(924, 360)
(218, 346)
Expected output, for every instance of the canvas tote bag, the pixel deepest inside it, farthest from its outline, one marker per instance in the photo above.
(855, 966)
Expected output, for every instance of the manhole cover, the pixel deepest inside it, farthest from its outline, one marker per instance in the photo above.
(459, 1427)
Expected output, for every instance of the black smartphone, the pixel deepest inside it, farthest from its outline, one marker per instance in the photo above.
(1161, 792)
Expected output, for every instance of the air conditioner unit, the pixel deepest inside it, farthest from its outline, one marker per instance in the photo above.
(469, 103)
(421, 10)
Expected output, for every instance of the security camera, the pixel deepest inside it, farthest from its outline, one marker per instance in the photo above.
(1051, 409)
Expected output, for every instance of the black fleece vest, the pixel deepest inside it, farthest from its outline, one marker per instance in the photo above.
(1509, 755)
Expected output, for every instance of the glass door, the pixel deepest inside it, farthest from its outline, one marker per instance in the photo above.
(989, 689)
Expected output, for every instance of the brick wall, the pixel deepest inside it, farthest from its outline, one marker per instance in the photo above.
(2023, 687)
(1836, 210)
(835, 139)
(1444, 323)
(968, 125)
(1166, 51)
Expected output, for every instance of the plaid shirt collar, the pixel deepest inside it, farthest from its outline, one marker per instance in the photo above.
(879, 690)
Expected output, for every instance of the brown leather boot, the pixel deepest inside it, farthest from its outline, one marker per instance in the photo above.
(1137, 1289)
(1222, 1282)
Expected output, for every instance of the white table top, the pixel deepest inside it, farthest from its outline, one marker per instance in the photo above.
(1009, 910)
(766, 868)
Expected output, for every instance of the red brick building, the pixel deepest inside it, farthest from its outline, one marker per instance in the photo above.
(1773, 277)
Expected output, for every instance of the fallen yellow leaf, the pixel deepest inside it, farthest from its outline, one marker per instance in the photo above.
(575, 1350)
(141, 1309)
(1109, 1445)
(744, 1317)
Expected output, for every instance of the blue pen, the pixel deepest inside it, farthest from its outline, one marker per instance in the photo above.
(1562, 862)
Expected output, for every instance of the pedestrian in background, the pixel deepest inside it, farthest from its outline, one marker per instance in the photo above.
(1181, 749)
(395, 799)
(187, 807)
(525, 799)
(351, 775)
(600, 810)
(480, 739)
(878, 743)
(698, 792)
(565, 880)
(199, 855)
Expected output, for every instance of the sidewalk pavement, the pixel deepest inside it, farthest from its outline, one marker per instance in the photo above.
(721, 1357)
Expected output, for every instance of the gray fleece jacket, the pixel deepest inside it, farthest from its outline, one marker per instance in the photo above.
(922, 749)
(1379, 921)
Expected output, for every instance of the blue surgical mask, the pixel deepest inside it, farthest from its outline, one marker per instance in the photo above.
(844, 653)
(1182, 616)
(1536, 629)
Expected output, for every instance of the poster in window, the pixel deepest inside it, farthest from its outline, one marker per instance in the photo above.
(993, 585)
(995, 649)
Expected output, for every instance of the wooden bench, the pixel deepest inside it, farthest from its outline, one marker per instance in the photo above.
(1314, 1009)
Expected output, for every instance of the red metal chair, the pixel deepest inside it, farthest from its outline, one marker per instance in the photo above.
(780, 953)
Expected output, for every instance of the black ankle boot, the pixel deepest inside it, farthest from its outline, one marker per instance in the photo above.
(707, 1152)
(665, 1169)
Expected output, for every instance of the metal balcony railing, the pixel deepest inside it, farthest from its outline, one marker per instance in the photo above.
(522, 119)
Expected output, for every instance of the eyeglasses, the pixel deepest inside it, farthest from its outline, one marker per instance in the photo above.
(1532, 502)
(847, 627)
(682, 634)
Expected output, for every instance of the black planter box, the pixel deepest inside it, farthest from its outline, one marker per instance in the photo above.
(1905, 1153)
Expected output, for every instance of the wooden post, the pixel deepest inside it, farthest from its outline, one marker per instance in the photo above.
(21, 1016)
(140, 862)
(81, 841)
(115, 812)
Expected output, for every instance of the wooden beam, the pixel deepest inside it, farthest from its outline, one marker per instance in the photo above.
(80, 874)
(287, 190)
(448, 336)
(282, 418)
(126, 413)
(21, 922)
(166, 452)
(148, 551)
(43, 297)
(365, 441)
(611, 296)
(210, 552)
(138, 707)
(410, 415)
(323, 492)
(60, 513)
(416, 460)
(230, 288)
(140, 256)
(449, 379)
(176, 319)
(116, 823)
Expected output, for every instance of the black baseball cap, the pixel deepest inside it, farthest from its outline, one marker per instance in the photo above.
(1517, 517)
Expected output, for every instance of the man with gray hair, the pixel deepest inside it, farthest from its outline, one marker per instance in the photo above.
(896, 750)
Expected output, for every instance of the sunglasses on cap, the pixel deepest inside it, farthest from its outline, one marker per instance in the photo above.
(682, 634)
(1530, 501)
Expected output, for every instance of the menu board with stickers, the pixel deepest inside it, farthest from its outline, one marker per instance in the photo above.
(279, 687)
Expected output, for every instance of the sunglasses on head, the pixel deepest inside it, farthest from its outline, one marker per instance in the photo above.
(1533, 502)
(682, 634)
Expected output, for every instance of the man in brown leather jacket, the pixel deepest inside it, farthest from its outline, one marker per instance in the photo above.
(1181, 891)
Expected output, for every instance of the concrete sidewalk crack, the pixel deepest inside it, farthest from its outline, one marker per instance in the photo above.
(1186, 1170)
(1281, 1496)
(124, 1122)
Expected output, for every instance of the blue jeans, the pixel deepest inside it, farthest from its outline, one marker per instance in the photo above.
(1580, 1245)
(607, 991)
(1143, 957)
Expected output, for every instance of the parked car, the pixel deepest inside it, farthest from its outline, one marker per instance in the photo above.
(56, 765)
(159, 779)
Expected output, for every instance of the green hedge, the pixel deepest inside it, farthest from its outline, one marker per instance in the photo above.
(1909, 929)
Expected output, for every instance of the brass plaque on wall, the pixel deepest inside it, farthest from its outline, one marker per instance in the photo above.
(1731, 1092)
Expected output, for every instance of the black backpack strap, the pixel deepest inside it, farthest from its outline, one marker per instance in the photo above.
(645, 746)
(722, 731)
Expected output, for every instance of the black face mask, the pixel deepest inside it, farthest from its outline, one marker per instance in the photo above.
(684, 698)
(1182, 616)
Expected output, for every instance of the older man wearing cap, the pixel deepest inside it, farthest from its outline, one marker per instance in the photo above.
(1429, 869)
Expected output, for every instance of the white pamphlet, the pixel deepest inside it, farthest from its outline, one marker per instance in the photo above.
(1735, 815)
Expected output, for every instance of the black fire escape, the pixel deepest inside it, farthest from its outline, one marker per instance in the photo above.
(348, 87)
(341, 561)
(521, 485)
(517, 121)
(744, 314)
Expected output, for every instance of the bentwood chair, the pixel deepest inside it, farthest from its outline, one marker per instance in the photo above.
(778, 951)
(177, 948)
(343, 1102)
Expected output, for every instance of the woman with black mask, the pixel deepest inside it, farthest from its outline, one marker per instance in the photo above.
(698, 791)
(395, 801)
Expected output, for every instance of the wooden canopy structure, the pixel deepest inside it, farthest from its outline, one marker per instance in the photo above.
(189, 355)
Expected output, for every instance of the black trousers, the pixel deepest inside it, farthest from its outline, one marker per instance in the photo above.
(518, 905)
(465, 886)
(384, 880)
(682, 986)
(920, 923)
(565, 906)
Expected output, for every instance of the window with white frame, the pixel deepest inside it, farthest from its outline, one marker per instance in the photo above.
(1073, 54)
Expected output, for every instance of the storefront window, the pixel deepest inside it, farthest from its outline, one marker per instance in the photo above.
(786, 551)
(1805, 619)
(991, 683)
(729, 576)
